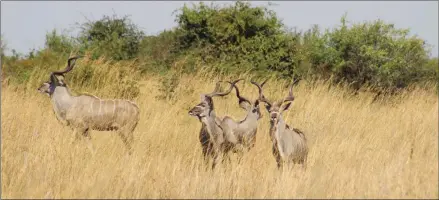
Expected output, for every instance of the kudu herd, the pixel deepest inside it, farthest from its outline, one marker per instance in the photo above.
(218, 136)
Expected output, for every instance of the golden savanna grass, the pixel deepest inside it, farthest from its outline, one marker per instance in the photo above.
(358, 149)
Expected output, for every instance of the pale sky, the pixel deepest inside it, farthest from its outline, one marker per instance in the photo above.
(25, 24)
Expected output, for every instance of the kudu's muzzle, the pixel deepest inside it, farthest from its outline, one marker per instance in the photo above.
(193, 112)
(274, 116)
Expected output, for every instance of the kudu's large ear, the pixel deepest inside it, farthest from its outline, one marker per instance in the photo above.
(202, 97)
(256, 107)
(207, 99)
(268, 107)
(286, 106)
(245, 106)
(256, 103)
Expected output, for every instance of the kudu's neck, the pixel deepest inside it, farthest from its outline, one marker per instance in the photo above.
(211, 124)
(276, 133)
(251, 118)
(62, 99)
(277, 128)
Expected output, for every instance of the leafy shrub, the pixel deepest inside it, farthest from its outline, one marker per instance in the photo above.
(371, 53)
(113, 37)
(59, 43)
(157, 53)
(246, 38)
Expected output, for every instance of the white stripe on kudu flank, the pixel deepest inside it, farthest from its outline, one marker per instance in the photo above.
(114, 107)
(100, 107)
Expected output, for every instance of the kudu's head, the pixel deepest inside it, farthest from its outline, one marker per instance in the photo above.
(246, 104)
(205, 107)
(49, 86)
(277, 108)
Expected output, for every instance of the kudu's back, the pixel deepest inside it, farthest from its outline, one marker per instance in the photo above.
(104, 114)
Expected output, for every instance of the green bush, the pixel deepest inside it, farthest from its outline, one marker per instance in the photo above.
(157, 52)
(60, 43)
(246, 38)
(113, 37)
(371, 53)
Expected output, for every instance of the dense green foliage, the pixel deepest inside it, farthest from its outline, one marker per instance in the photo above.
(371, 53)
(59, 43)
(113, 37)
(241, 38)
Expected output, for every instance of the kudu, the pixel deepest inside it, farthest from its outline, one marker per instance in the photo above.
(289, 144)
(211, 135)
(86, 112)
(242, 135)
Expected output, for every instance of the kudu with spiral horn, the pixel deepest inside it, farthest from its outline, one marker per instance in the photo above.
(84, 113)
(242, 134)
(211, 135)
(289, 144)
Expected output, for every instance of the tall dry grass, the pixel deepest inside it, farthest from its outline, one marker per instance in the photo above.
(357, 149)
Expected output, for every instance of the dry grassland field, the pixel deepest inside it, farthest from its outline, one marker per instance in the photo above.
(357, 149)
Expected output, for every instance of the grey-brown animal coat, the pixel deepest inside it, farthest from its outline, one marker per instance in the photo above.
(242, 135)
(211, 134)
(289, 144)
(86, 112)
